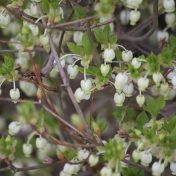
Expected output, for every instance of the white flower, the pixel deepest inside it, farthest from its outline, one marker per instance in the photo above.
(77, 37)
(173, 81)
(133, 3)
(134, 17)
(106, 171)
(27, 149)
(164, 88)
(136, 63)
(124, 17)
(119, 99)
(157, 77)
(14, 128)
(83, 154)
(14, 94)
(108, 55)
(41, 143)
(121, 80)
(33, 28)
(69, 169)
(86, 85)
(72, 71)
(128, 90)
(93, 160)
(169, 5)
(140, 99)
(28, 88)
(170, 19)
(87, 95)
(104, 68)
(79, 94)
(173, 168)
(34, 11)
(146, 158)
(136, 155)
(127, 56)
(162, 36)
(143, 83)
(44, 40)
(157, 168)
(4, 20)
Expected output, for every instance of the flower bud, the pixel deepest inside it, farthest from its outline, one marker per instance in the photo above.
(127, 56)
(136, 63)
(157, 168)
(146, 158)
(157, 77)
(69, 169)
(4, 20)
(173, 81)
(83, 154)
(169, 5)
(104, 68)
(136, 155)
(27, 149)
(121, 80)
(133, 4)
(14, 94)
(128, 90)
(134, 17)
(119, 99)
(44, 40)
(72, 71)
(79, 94)
(14, 128)
(108, 55)
(140, 99)
(173, 168)
(162, 36)
(124, 17)
(41, 143)
(143, 83)
(170, 19)
(106, 171)
(86, 85)
(77, 37)
(93, 160)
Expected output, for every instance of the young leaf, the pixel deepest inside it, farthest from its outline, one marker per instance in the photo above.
(87, 45)
(141, 120)
(154, 106)
(74, 48)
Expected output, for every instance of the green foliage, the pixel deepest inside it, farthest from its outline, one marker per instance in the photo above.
(87, 45)
(104, 36)
(70, 154)
(79, 12)
(7, 67)
(153, 63)
(154, 105)
(131, 171)
(128, 114)
(168, 54)
(141, 120)
(75, 48)
(99, 78)
(114, 149)
(7, 147)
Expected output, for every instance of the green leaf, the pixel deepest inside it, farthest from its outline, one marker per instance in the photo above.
(154, 106)
(7, 67)
(75, 48)
(131, 171)
(153, 63)
(170, 124)
(141, 120)
(87, 45)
